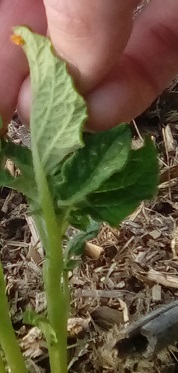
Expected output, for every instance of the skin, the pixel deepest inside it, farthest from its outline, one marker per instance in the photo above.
(120, 66)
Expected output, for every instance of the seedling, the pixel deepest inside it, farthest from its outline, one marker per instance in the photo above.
(69, 177)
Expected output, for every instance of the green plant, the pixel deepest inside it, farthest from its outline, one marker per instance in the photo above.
(68, 177)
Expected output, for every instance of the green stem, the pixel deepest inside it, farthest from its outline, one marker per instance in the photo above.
(53, 347)
(56, 308)
(66, 301)
(66, 292)
(53, 267)
(56, 302)
(2, 365)
(8, 340)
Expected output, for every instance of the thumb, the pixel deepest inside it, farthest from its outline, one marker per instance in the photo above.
(90, 35)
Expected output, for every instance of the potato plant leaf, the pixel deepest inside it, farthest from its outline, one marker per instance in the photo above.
(75, 245)
(17, 183)
(104, 154)
(119, 196)
(142, 166)
(78, 221)
(71, 264)
(32, 318)
(58, 111)
(22, 158)
(20, 155)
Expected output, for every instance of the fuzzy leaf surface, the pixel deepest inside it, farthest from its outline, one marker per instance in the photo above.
(104, 154)
(58, 111)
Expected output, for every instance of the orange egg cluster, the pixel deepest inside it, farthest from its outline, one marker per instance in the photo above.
(17, 39)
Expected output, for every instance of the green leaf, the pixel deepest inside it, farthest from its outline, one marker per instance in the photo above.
(58, 111)
(32, 318)
(119, 196)
(104, 154)
(71, 264)
(77, 243)
(19, 183)
(141, 162)
(78, 220)
(1, 123)
(21, 156)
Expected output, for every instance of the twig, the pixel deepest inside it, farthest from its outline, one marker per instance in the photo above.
(102, 293)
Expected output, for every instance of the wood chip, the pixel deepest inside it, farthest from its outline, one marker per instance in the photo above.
(36, 251)
(93, 251)
(156, 293)
(106, 317)
(102, 293)
(168, 139)
(171, 173)
(174, 243)
(125, 311)
(165, 280)
(10, 167)
(77, 325)
(32, 343)
(155, 234)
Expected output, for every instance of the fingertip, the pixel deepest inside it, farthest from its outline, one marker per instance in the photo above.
(149, 63)
(13, 64)
(24, 101)
(109, 105)
(90, 35)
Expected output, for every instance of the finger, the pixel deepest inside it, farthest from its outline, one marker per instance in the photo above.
(90, 35)
(149, 63)
(13, 64)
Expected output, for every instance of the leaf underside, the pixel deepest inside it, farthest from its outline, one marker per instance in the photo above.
(58, 111)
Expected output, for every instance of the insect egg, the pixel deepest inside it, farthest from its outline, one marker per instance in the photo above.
(17, 39)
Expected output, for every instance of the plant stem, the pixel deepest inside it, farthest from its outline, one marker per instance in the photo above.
(2, 365)
(53, 267)
(56, 302)
(66, 301)
(56, 308)
(8, 340)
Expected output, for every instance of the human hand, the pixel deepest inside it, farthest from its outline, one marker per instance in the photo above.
(120, 69)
